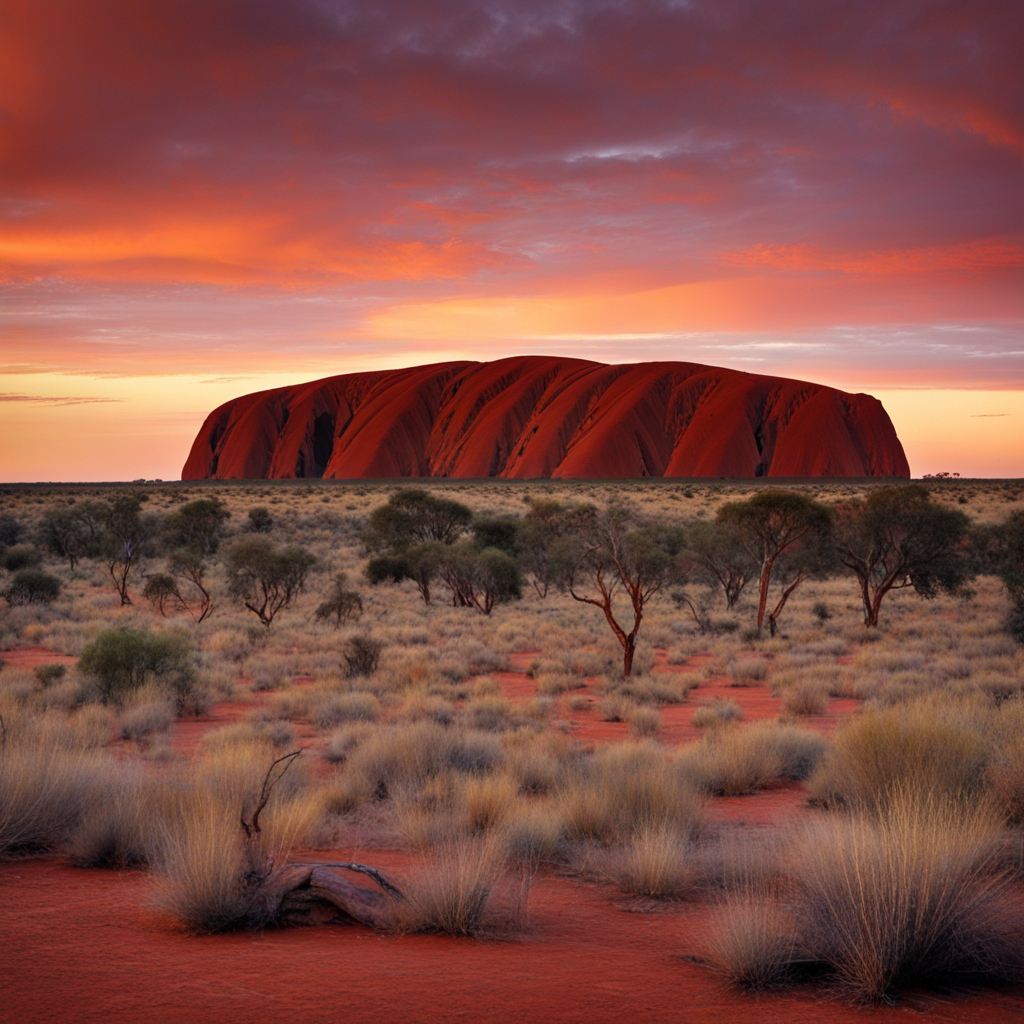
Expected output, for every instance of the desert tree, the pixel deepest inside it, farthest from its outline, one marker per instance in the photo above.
(500, 532)
(264, 578)
(66, 533)
(610, 553)
(341, 604)
(407, 536)
(544, 525)
(183, 586)
(125, 535)
(775, 526)
(478, 578)
(897, 538)
(417, 562)
(197, 526)
(412, 515)
(716, 555)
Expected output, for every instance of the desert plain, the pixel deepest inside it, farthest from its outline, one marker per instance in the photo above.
(820, 824)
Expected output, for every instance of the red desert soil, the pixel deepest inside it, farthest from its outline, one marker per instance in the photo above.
(90, 949)
(89, 946)
(30, 657)
(541, 416)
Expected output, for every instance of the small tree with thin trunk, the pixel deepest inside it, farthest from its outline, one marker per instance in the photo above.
(125, 535)
(771, 525)
(716, 554)
(65, 534)
(342, 604)
(897, 538)
(478, 579)
(543, 526)
(183, 586)
(267, 579)
(609, 555)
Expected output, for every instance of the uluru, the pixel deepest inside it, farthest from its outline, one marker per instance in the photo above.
(539, 416)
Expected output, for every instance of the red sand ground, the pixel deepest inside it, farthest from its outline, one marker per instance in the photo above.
(540, 416)
(31, 657)
(85, 946)
(88, 948)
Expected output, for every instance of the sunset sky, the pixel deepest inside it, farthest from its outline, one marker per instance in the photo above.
(200, 198)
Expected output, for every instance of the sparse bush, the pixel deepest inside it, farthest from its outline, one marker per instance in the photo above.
(120, 660)
(342, 605)
(733, 762)
(47, 675)
(456, 891)
(33, 586)
(19, 557)
(345, 707)
(260, 520)
(807, 697)
(748, 671)
(753, 943)
(910, 748)
(362, 655)
(46, 778)
(143, 718)
(718, 712)
(623, 788)
(644, 721)
(912, 897)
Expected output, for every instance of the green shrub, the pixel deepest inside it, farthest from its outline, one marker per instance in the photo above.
(21, 556)
(33, 586)
(121, 660)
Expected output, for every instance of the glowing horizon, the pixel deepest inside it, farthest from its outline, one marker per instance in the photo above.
(204, 199)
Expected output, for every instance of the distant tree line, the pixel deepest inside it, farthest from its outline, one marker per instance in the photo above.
(613, 559)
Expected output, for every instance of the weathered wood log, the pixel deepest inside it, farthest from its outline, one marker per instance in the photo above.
(308, 893)
(319, 893)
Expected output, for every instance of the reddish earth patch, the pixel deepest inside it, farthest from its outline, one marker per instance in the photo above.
(99, 953)
(30, 657)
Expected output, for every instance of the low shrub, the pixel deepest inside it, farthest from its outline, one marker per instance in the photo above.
(33, 586)
(734, 762)
(623, 788)
(719, 712)
(362, 655)
(748, 671)
(121, 660)
(654, 863)
(907, 747)
(805, 698)
(644, 721)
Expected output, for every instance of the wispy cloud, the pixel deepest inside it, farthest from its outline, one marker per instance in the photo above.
(56, 399)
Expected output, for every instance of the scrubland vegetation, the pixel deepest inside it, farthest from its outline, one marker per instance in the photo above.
(490, 683)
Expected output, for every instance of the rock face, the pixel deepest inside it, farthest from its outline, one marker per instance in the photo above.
(539, 416)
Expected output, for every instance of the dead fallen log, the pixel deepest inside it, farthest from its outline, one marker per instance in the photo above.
(319, 893)
(309, 893)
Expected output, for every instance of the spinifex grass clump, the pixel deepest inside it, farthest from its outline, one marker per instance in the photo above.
(914, 895)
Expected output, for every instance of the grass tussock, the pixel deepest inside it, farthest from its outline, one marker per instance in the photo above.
(914, 896)
(737, 761)
(625, 788)
(463, 888)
